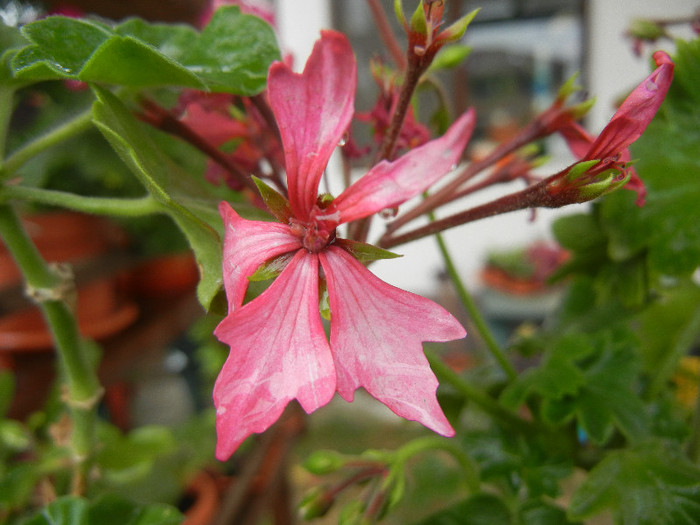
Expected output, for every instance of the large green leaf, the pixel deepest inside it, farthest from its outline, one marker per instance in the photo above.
(649, 485)
(185, 199)
(592, 378)
(480, 509)
(231, 54)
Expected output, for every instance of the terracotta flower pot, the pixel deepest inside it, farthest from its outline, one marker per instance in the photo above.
(166, 275)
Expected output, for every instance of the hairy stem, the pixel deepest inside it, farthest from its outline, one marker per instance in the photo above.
(386, 34)
(51, 291)
(117, 207)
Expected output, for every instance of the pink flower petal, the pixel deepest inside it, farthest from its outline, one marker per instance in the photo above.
(635, 113)
(389, 184)
(377, 332)
(313, 111)
(279, 352)
(247, 245)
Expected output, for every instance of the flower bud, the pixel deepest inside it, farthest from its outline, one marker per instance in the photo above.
(324, 462)
(316, 503)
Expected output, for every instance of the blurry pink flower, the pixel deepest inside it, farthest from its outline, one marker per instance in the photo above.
(260, 8)
(626, 126)
(279, 350)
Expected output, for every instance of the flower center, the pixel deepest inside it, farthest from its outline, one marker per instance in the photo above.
(318, 232)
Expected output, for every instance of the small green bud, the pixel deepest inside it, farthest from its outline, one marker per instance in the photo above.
(316, 503)
(351, 514)
(645, 29)
(324, 462)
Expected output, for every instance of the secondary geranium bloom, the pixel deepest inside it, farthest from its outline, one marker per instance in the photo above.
(279, 349)
(627, 125)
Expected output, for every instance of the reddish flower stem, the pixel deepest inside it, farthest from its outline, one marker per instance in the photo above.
(386, 34)
(451, 191)
(529, 197)
(168, 123)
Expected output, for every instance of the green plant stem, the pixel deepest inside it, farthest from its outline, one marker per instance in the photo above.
(6, 106)
(474, 313)
(117, 207)
(76, 125)
(477, 396)
(469, 467)
(49, 290)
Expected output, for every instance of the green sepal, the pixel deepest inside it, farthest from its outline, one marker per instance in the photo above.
(579, 169)
(569, 88)
(398, 9)
(271, 269)
(419, 24)
(364, 252)
(275, 202)
(458, 28)
(580, 110)
(607, 182)
(450, 57)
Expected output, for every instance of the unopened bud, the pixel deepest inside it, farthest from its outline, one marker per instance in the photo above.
(324, 462)
(316, 503)
(645, 30)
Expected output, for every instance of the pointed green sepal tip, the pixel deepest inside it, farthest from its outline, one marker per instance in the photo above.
(580, 110)
(398, 9)
(458, 28)
(364, 252)
(579, 169)
(275, 202)
(271, 268)
(593, 190)
(450, 57)
(569, 88)
(607, 182)
(419, 24)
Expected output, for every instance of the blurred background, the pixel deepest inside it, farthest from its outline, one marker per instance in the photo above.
(522, 52)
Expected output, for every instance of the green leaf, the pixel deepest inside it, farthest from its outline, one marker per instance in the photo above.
(592, 378)
(541, 513)
(115, 510)
(185, 199)
(649, 485)
(66, 510)
(232, 54)
(107, 510)
(480, 509)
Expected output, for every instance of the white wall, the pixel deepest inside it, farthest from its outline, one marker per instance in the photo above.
(613, 68)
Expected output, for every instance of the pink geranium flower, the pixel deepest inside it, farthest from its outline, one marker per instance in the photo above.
(627, 125)
(279, 350)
